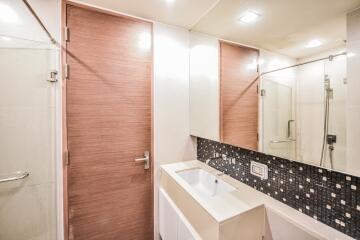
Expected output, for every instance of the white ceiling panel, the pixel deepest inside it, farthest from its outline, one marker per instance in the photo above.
(285, 26)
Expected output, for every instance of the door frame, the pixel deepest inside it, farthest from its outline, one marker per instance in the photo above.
(64, 129)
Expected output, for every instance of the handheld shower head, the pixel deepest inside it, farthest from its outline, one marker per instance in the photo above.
(327, 85)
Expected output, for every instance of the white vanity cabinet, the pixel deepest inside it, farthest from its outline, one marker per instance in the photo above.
(172, 223)
(183, 232)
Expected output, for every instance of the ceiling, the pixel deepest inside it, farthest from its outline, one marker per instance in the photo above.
(284, 27)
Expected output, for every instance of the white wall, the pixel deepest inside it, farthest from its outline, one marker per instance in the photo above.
(172, 142)
(24, 24)
(353, 97)
(50, 14)
(204, 86)
(271, 61)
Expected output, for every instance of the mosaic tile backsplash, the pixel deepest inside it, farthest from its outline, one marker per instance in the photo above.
(330, 197)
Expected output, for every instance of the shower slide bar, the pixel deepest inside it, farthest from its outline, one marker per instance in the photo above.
(15, 177)
(283, 141)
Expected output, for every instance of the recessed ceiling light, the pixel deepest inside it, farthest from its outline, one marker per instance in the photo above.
(7, 14)
(170, 1)
(314, 43)
(249, 17)
(5, 38)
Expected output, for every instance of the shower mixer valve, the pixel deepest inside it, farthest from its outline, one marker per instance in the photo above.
(331, 139)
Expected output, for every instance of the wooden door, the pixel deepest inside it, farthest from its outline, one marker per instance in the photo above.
(239, 95)
(109, 125)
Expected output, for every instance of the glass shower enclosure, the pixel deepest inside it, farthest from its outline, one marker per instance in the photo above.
(28, 120)
(304, 113)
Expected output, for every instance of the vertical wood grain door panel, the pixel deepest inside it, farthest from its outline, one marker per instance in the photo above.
(109, 125)
(238, 95)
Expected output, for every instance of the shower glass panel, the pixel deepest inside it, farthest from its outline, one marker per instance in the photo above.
(27, 140)
(304, 113)
(321, 113)
(278, 120)
(310, 112)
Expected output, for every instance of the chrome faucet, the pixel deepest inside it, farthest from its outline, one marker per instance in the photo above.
(216, 156)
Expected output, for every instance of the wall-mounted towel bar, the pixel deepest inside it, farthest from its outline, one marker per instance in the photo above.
(282, 141)
(16, 176)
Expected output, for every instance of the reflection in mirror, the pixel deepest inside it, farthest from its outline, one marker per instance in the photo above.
(239, 95)
(304, 112)
(306, 101)
(278, 118)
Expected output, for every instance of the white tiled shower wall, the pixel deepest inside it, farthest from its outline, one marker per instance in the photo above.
(353, 97)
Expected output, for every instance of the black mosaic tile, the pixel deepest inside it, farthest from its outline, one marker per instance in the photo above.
(330, 197)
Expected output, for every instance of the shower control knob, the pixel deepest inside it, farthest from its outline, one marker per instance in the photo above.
(331, 139)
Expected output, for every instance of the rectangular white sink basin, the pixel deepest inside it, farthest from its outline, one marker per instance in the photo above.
(204, 183)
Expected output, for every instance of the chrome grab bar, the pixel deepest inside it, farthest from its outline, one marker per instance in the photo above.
(289, 128)
(18, 176)
(282, 141)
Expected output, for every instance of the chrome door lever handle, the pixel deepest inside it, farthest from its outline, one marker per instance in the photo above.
(145, 159)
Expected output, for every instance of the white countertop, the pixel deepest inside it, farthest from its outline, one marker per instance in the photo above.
(244, 198)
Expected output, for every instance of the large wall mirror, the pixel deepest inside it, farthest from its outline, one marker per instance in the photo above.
(282, 84)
